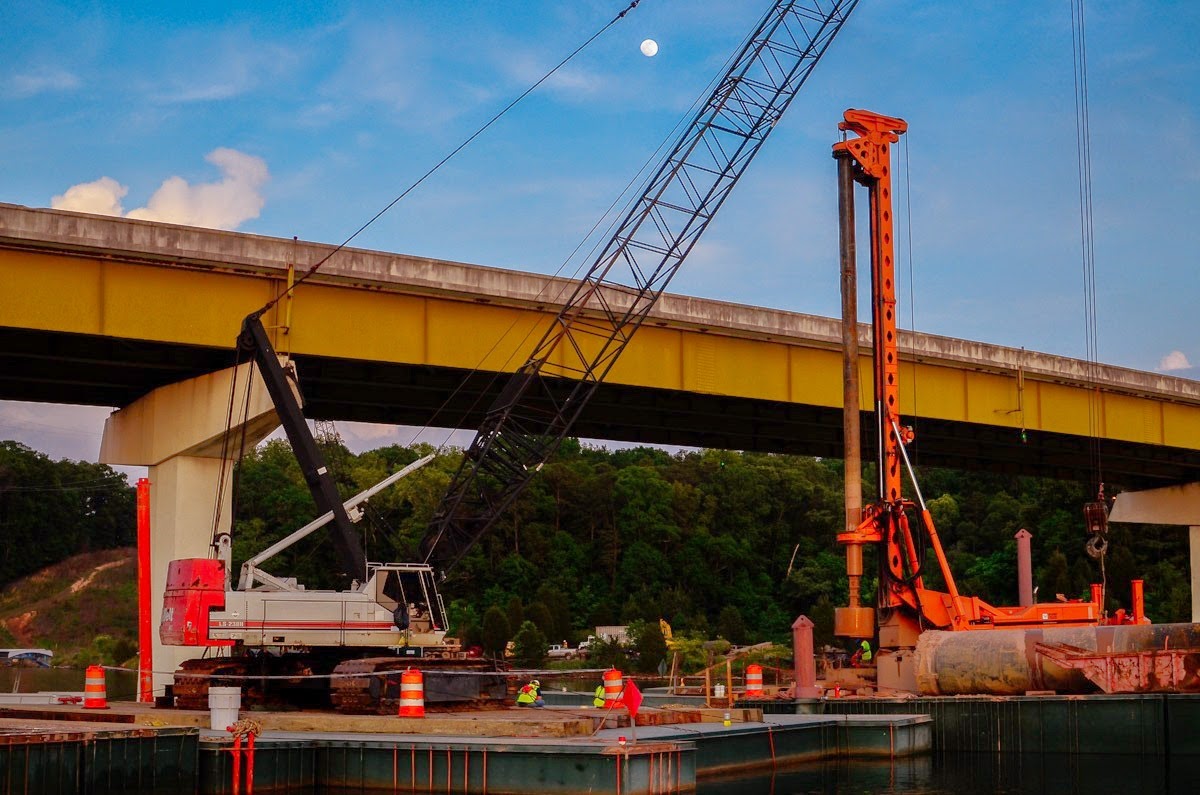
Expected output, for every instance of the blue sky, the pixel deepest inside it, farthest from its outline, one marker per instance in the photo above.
(306, 118)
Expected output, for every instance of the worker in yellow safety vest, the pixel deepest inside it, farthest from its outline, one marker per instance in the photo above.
(862, 655)
(530, 695)
(598, 701)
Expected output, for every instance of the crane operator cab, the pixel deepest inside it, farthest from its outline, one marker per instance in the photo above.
(409, 593)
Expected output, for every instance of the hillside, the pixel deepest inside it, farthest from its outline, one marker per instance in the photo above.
(83, 608)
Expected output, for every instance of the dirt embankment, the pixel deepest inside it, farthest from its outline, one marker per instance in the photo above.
(68, 606)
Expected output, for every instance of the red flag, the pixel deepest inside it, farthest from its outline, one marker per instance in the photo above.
(632, 699)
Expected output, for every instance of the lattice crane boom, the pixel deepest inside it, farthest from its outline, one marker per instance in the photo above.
(541, 400)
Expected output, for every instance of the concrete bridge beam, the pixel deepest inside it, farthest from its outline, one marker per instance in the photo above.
(179, 432)
(1178, 505)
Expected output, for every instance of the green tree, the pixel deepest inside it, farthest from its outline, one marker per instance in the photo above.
(539, 614)
(559, 605)
(607, 654)
(51, 510)
(530, 646)
(649, 644)
(461, 613)
(515, 612)
(1055, 578)
(470, 636)
(944, 510)
(496, 633)
(731, 626)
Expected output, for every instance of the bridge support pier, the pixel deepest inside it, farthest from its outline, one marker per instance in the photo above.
(1179, 505)
(179, 432)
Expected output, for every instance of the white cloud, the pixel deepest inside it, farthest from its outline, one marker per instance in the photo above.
(215, 65)
(368, 431)
(224, 204)
(60, 431)
(361, 436)
(102, 197)
(31, 84)
(219, 205)
(570, 81)
(1175, 360)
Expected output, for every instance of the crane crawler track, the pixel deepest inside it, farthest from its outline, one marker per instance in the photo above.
(372, 685)
(195, 677)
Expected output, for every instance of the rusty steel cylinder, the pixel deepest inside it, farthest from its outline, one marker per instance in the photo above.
(1005, 662)
(1024, 568)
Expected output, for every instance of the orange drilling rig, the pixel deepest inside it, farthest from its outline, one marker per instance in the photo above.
(906, 607)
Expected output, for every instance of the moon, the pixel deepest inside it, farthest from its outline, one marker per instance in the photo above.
(649, 48)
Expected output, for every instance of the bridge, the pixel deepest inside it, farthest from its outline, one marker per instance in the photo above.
(103, 311)
(143, 316)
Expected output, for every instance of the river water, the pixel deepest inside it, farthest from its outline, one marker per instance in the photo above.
(121, 685)
(1000, 774)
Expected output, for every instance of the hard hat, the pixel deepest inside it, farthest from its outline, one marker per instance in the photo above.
(536, 683)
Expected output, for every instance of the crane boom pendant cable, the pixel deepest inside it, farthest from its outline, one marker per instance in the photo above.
(312, 270)
(1095, 512)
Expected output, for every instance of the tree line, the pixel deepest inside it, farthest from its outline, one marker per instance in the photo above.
(51, 510)
(718, 543)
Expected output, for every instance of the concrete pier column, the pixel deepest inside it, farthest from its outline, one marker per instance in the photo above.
(1179, 505)
(178, 431)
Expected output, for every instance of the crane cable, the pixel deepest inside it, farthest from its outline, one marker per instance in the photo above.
(625, 200)
(922, 543)
(1097, 511)
(1086, 228)
(315, 267)
(312, 270)
(912, 295)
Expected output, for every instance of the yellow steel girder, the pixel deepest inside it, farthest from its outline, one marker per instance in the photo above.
(195, 306)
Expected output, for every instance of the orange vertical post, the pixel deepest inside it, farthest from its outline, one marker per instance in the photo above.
(250, 764)
(145, 620)
(1139, 602)
(236, 771)
(804, 660)
(1024, 568)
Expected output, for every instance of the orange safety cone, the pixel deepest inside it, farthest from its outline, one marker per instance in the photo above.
(754, 681)
(412, 694)
(614, 683)
(94, 694)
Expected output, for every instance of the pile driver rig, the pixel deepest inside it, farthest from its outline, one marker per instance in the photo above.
(906, 607)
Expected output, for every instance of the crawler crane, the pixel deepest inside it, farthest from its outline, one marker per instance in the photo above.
(533, 412)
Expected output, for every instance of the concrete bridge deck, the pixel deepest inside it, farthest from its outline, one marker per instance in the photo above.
(98, 310)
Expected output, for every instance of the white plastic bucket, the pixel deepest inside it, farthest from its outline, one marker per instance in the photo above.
(223, 706)
(719, 691)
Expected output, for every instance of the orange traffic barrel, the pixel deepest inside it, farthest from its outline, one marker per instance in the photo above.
(754, 681)
(614, 683)
(94, 694)
(412, 694)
